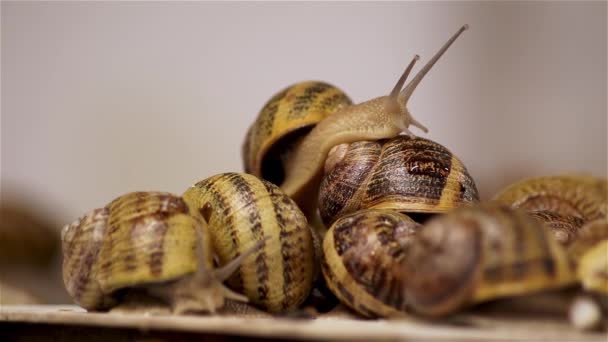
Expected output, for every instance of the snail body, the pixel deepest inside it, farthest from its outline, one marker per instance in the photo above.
(147, 241)
(412, 175)
(379, 118)
(240, 210)
(469, 255)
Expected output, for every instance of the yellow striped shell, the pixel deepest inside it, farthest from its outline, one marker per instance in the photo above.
(241, 209)
(146, 241)
(469, 255)
(576, 195)
(410, 175)
(286, 117)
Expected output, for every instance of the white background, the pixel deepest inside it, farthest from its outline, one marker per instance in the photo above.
(99, 99)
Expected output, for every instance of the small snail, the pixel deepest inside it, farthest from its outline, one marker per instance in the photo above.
(379, 118)
(411, 175)
(144, 241)
(241, 209)
(469, 255)
(361, 256)
(575, 195)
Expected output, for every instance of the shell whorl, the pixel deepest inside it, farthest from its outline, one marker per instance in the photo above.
(575, 195)
(361, 252)
(81, 243)
(565, 228)
(138, 239)
(403, 173)
(241, 209)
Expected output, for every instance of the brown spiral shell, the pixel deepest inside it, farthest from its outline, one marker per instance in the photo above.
(411, 175)
(361, 254)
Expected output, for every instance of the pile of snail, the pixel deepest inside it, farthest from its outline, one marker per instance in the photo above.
(344, 197)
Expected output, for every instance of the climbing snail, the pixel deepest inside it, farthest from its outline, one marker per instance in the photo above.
(380, 266)
(240, 210)
(411, 175)
(302, 162)
(150, 242)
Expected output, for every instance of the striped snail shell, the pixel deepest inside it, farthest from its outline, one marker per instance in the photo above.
(474, 254)
(469, 255)
(379, 118)
(411, 175)
(287, 117)
(147, 241)
(240, 210)
(574, 195)
(361, 256)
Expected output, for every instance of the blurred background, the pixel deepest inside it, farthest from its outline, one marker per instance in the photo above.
(99, 99)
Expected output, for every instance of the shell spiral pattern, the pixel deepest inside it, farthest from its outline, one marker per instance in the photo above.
(241, 209)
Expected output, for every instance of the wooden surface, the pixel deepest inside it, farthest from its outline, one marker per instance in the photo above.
(18, 322)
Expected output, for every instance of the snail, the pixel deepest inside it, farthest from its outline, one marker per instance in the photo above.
(411, 175)
(575, 195)
(144, 242)
(241, 209)
(361, 254)
(466, 256)
(302, 162)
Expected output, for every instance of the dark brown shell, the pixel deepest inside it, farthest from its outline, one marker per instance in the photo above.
(361, 256)
(405, 174)
(283, 120)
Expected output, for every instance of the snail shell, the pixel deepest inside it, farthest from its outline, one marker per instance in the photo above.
(574, 195)
(475, 254)
(564, 227)
(361, 254)
(412, 175)
(469, 255)
(288, 116)
(151, 241)
(241, 209)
